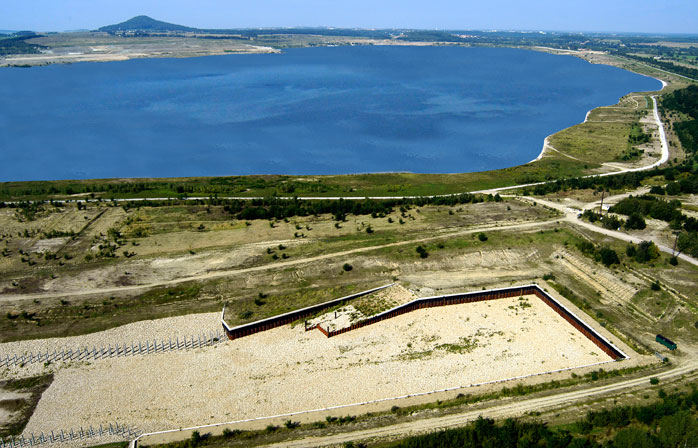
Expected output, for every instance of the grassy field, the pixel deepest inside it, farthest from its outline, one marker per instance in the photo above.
(355, 185)
(606, 134)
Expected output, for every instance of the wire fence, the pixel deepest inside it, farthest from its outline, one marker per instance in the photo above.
(114, 429)
(91, 354)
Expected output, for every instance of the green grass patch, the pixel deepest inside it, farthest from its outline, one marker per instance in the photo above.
(67, 317)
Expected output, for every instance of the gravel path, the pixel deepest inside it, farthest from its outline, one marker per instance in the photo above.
(287, 369)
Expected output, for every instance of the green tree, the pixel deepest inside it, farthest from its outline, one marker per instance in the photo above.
(678, 430)
(634, 438)
(635, 222)
(608, 256)
(646, 251)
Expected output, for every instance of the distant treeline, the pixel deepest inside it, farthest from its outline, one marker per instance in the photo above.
(685, 101)
(667, 423)
(650, 206)
(276, 208)
(284, 208)
(665, 65)
(18, 45)
(195, 187)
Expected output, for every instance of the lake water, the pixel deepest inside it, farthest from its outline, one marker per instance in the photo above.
(306, 111)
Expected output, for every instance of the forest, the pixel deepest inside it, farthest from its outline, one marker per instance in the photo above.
(18, 45)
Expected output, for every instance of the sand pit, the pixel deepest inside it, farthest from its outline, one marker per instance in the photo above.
(287, 369)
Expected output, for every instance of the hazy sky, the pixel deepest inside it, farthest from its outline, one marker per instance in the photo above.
(661, 16)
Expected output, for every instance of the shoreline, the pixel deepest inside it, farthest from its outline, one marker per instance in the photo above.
(546, 148)
(546, 141)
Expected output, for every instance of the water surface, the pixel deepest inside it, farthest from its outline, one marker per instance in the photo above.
(307, 111)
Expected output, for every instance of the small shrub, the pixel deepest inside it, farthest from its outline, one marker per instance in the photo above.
(655, 286)
(228, 433)
(291, 424)
(654, 381)
(673, 261)
(369, 229)
(482, 237)
(347, 267)
(271, 428)
(608, 256)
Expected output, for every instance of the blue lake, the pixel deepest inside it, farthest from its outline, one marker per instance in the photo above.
(305, 111)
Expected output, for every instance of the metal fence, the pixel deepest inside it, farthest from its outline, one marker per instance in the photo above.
(94, 353)
(114, 429)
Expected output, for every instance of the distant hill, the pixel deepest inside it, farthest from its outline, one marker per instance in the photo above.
(144, 23)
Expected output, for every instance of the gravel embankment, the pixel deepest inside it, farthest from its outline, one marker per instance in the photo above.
(287, 369)
(159, 329)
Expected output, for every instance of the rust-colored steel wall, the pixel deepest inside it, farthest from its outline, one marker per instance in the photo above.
(430, 302)
(268, 324)
(479, 296)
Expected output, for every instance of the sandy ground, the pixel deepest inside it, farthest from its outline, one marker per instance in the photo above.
(191, 325)
(288, 369)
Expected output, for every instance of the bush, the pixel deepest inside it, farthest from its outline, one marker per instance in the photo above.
(482, 237)
(656, 189)
(245, 314)
(646, 251)
(608, 256)
(655, 286)
(673, 261)
(654, 381)
(422, 251)
(228, 433)
(611, 222)
(635, 222)
(347, 267)
(197, 438)
(291, 424)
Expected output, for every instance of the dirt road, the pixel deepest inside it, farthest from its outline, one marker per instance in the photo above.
(571, 217)
(278, 265)
(498, 411)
